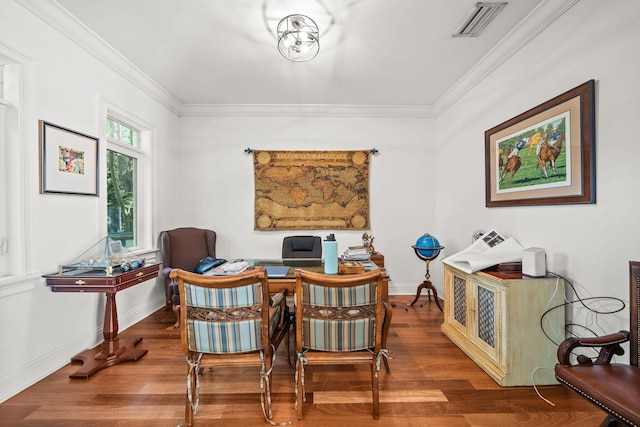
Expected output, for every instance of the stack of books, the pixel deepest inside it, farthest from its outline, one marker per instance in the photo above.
(358, 253)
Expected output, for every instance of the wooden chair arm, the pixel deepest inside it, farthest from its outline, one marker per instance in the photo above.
(610, 346)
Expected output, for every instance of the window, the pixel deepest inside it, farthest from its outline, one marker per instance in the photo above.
(17, 101)
(124, 155)
(4, 240)
(14, 206)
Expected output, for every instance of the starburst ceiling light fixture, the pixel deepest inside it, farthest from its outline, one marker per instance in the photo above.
(298, 38)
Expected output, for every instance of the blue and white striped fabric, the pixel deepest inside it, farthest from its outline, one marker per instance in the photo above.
(338, 334)
(228, 335)
(224, 337)
(242, 296)
(339, 297)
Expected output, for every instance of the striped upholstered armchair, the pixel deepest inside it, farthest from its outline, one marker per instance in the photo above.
(230, 321)
(340, 320)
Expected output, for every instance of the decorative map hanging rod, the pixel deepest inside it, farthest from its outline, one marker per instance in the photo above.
(251, 151)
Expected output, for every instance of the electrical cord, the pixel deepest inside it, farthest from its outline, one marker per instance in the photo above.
(583, 303)
(568, 327)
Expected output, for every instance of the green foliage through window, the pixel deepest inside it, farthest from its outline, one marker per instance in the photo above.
(121, 197)
(120, 132)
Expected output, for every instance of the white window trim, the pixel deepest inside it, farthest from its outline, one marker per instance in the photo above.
(21, 173)
(144, 182)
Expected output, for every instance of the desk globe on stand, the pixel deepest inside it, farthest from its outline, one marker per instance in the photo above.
(427, 248)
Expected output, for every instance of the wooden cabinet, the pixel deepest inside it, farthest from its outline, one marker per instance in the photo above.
(495, 318)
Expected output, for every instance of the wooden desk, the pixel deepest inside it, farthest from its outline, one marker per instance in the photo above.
(277, 284)
(112, 351)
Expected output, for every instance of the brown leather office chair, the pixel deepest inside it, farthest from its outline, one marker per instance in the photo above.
(183, 248)
(228, 321)
(614, 387)
(302, 247)
(340, 320)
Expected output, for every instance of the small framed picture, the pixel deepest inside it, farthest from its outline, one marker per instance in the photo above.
(68, 161)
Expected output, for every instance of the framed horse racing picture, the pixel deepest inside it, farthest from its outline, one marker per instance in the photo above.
(546, 155)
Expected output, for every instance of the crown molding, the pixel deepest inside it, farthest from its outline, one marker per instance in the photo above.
(9, 55)
(66, 24)
(541, 17)
(306, 110)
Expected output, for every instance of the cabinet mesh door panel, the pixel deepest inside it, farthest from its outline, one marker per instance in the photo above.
(486, 316)
(459, 300)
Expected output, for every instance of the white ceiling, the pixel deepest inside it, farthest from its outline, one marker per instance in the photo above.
(378, 52)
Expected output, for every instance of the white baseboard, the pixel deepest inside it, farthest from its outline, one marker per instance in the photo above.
(410, 289)
(36, 369)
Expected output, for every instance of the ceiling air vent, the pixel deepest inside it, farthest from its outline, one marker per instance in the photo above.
(478, 19)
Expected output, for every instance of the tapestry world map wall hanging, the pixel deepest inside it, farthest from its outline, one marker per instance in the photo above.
(305, 190)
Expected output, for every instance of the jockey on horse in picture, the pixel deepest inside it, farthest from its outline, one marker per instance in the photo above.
(519, 146)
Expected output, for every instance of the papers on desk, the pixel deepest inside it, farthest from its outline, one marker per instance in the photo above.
(229, 268)
(489, 250)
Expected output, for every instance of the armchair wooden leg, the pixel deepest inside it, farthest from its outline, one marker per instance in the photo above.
(176, 312)
(300, 388)
(192, 397)
(288, 349)
(388, 314)
(375, 391)
(188, 414)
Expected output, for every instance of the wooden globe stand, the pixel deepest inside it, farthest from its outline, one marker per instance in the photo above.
(427, 278)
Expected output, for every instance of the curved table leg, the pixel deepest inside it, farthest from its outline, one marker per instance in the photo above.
(429, 287)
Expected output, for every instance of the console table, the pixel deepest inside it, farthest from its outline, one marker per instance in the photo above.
(113, 350)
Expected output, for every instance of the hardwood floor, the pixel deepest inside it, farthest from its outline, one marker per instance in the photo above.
(432, 383)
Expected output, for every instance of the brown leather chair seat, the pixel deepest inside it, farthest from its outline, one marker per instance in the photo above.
(615, 387)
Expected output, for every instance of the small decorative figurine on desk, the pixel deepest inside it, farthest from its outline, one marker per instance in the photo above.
(367, 242)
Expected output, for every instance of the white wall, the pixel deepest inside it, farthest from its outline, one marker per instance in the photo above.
(589, 244)
(428, 177)
(213, 164)
(66, 86)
